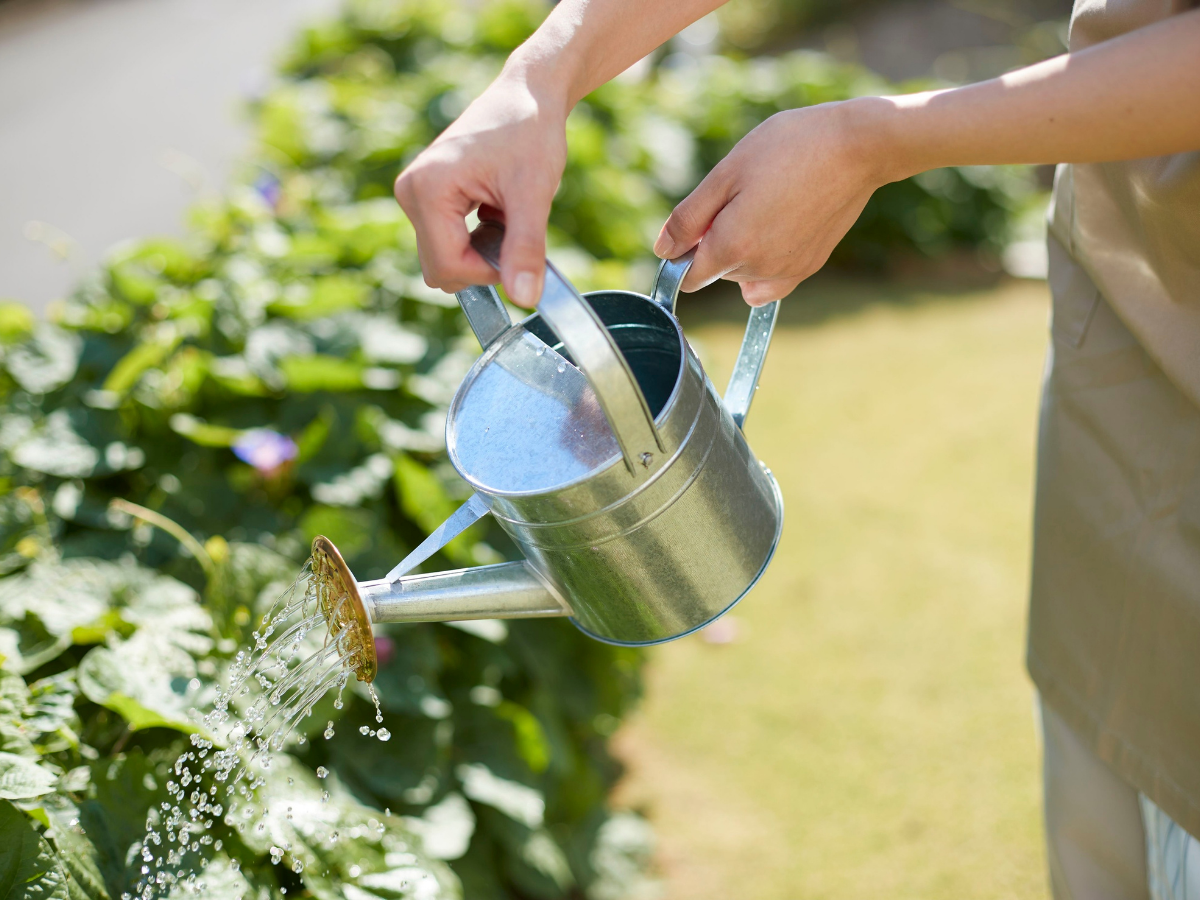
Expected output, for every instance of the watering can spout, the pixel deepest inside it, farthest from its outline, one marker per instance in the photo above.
(503, 591)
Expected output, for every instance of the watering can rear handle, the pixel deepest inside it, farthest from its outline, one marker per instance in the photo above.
(753, 353)
(485, 312)
(597, 355)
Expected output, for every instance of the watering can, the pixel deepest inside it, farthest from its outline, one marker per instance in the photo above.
(591, 433)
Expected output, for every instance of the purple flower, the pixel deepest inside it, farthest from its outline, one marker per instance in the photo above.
(266, 450)
(269, 188)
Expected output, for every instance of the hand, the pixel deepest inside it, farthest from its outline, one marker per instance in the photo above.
(770, 213)
(506, 154)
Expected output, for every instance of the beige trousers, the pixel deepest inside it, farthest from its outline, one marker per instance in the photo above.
(1104, 840)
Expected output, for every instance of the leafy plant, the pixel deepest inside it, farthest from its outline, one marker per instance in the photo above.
(199, 410)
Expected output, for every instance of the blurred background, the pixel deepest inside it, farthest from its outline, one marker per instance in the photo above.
(862, 723)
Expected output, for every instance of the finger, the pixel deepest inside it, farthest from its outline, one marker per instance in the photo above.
(692, 217)
(447, 259)
(721, 254)
(438, 218)
(523, 253)
(760, 293)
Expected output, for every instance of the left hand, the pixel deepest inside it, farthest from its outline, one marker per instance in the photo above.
(770, 213)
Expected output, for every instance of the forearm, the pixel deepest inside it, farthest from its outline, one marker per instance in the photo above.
(1131, 97)
(585, 43)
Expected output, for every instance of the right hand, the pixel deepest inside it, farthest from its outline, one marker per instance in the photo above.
(505, 153)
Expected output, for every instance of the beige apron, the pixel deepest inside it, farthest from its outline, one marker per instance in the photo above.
(1114, 631)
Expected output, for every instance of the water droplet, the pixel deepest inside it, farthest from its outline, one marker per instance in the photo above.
(365, 729)
(322, 772)
(383, 734)
(329, 731)
(562, 367)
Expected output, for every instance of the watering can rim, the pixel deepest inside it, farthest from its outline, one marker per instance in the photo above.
(594, 352)
(618, 458)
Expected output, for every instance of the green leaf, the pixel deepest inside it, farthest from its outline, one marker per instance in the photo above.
(22, 778)
(327, 295)
(137, 688)
(315, 434)
(78, 855)
(27, 645)
(532, 744)
(130, 367)
(50, 713)
(200, 432)
(54, 447)
(222, 881)
(124, 789)
(375, 851)
(29, 869)
(46, 361)
(307, 374)
(351, 530)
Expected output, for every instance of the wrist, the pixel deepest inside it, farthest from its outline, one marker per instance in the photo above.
(550, 76)
(890, 134)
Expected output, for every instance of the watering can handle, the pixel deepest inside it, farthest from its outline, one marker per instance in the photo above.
(595, 353)
(753, 353)
(485, 312)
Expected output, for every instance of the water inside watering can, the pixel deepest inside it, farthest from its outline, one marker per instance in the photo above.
(271, 688)
(528, 420)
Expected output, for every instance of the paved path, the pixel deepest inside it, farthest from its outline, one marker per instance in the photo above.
(111, 111)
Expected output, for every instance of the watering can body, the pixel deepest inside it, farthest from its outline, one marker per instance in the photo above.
(592, 434)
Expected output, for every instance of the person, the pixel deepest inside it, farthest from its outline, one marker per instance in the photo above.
(1114, 628)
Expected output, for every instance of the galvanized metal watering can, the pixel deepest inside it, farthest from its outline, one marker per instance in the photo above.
(591, 433)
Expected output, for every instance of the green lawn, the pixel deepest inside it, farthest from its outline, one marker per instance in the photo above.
(870, 733)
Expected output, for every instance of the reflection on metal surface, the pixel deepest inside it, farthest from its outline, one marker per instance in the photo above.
(485, 313)
(668, 280)
(750, 359)
(527, 420)
(503, 591)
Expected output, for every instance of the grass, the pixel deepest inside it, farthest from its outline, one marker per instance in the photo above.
(870, 732)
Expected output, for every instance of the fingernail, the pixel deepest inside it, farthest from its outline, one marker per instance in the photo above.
(525, 289)
(664, 247)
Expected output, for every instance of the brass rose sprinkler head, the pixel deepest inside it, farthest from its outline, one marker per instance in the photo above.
(341, 603)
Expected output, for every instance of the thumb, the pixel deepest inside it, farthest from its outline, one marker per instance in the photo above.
(523, 253)
(692, 217)
(760, 293)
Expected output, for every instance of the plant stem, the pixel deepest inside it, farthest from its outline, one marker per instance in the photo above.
(171, 527)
